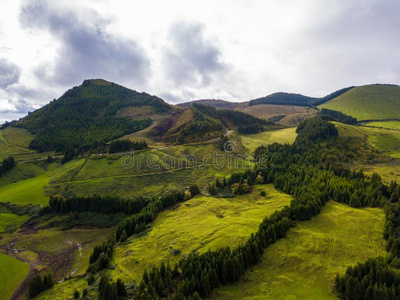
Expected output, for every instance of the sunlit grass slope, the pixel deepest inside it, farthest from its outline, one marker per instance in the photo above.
(65, 290)
(386, 124)
(304, 264)
(25, 191)
(15, 142)
(57, 249)
(385, 140)
(200, 224)
(12, 273)
(370, 102)
(9, 221)
(282, 136)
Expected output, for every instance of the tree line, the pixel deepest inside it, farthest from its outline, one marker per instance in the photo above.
(338, 116)
(137, 223)
(39, 284)
(371, 280)
(250, 129)
(126, 145)
(97, 204)
(7, 165)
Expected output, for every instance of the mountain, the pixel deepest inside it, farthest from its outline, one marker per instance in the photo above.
(369, 102)
(211, 102)
(284, 98)
(99, 111)
(201, 122)
(296, 99)
(284, 108)
(90, 113)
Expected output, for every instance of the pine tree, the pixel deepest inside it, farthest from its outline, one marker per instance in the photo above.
(123, 237)
(146, 276)
(121, 288)
(351, 288)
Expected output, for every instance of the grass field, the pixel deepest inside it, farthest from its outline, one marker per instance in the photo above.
(304, 264)
(370, 102)
(200, 224)
(292, 114)
(381, 139)
(10, 221)
(385, 124)
(153, 171)
(283, 136)
(56, 249)
(12, 273)
(386, 164)
(64, 290)
(25, 191)
(21, 171)
(15, 142)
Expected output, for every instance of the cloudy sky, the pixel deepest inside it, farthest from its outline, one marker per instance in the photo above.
(183, 50)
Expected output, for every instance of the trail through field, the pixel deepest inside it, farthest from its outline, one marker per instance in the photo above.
(79, 246)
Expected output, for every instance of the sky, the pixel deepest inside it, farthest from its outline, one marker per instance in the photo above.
(234, 50)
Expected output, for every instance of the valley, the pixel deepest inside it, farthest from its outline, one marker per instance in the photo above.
(220, 149)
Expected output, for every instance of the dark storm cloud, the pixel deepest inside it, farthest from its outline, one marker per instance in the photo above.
(190, 58)
(86, 50)
(9, 73)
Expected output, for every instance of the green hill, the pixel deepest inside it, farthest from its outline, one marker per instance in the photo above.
(296, 99)
(369, 102)
(88, 114)
(284, 98)
(200, 122)
(92, 114)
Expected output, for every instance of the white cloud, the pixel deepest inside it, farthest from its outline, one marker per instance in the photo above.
(183, 50)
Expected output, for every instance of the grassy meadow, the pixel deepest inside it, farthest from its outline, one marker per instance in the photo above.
(304, 264)
(199, 224)
(385, 124)
(12, 273)
(64, 290)
(9, 221)
(29, 191)
(56, 249)
(370, 102)
(15, 142)
(282, 136)
(381, 139)
(153, 171)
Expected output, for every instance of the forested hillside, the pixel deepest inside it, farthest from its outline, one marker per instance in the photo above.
(209, 120)
(87, 114)
(296, 99)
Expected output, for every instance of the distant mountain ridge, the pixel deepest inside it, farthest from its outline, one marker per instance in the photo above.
(368, 102)
(296, 99)
(217, 103)
(99, 111)
(96, 112)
